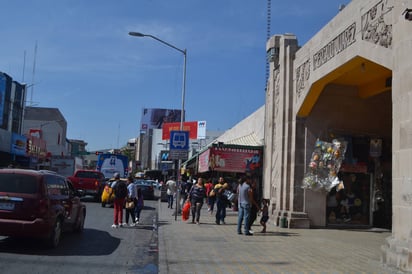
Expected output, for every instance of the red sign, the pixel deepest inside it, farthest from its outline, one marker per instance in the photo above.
(187, 126)
(230, 160)
(204, 161)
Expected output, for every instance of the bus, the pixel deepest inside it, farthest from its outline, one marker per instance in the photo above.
(108, 164)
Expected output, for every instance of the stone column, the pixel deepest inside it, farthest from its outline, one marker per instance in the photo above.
(398, 249)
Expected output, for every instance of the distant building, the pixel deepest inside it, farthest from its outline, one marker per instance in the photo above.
(49, 125)
(77, 147)
(12, 141)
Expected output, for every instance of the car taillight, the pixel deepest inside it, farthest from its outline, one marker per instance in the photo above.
(96, 183)
(43, 207)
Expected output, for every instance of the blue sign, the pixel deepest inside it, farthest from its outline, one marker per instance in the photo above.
(179, 140)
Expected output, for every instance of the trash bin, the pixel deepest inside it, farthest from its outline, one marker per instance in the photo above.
(283, 222)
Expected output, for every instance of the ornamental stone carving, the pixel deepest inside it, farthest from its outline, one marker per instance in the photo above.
(375, 26)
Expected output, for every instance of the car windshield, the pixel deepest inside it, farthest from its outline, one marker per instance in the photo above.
(18, 183)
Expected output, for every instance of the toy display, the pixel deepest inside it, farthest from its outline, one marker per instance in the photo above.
(324, 165)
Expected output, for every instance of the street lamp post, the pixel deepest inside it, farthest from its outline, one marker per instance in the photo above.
(184, 51)
(182, 111)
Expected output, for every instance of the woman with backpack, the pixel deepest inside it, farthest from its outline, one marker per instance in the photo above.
(120, 192)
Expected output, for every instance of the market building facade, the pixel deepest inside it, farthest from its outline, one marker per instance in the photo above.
(338, 116)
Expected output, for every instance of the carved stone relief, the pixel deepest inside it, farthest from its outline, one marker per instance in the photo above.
(302, 77)
(375, 25)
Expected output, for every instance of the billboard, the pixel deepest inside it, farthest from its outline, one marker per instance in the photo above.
(18, 144)
(196, 129)
(2, 95)
(230, 159)
(157, 117)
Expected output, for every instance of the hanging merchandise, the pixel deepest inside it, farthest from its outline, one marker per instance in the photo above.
(324, 165)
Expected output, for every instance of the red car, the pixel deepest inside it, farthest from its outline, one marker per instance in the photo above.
(89, 182)
(38, 204)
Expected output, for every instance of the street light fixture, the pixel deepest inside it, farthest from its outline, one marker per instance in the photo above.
(184, 51)
(182, 111)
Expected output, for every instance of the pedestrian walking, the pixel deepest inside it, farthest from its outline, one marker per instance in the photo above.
(221, 201)
(265, 214)
(254, 205)
(139, 205)
(120, 191)
(208, 186)
(244, 198)
(171, 191)
(130, 201)
(197, 195)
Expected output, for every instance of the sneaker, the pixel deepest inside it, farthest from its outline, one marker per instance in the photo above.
(197, 223)
(347, 220)
(137, 222)
(251, 231)
(114, 226)
(136, 219)
(133, 224)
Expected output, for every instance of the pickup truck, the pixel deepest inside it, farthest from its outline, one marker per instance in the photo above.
(88, 182)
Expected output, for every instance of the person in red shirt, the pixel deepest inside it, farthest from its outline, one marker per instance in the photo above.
(209, 199)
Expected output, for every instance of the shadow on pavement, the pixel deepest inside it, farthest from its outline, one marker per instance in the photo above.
(90, 243)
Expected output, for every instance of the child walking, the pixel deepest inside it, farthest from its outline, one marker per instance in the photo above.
(265, 214)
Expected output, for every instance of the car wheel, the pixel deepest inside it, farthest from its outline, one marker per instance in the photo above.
(54, 237)
(80, 222)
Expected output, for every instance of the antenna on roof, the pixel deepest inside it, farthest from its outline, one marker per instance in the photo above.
(32, 76)
(24, 65)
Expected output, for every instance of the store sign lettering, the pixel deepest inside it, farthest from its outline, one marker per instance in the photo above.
(334, 47)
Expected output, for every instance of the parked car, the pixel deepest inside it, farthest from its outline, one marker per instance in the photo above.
(147, 188)
(39, 204)
(155, 184)
(107, 195)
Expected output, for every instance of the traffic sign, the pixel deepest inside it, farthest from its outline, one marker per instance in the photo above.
(179, 140)
(178, 154)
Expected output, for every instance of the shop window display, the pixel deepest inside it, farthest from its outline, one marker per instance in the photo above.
(349, 201)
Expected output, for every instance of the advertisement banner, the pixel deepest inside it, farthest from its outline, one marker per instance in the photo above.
(18, 144)
(225, 159)
(196, 129)
(191, 127)
(204, 161)
(157, 117)
(201, 130)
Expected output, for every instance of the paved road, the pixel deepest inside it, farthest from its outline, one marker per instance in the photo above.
(211, 248)
(100, 249)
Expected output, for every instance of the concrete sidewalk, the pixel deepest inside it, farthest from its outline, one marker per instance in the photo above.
(209, 248)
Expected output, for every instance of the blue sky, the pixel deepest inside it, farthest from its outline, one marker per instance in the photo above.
(100, 77)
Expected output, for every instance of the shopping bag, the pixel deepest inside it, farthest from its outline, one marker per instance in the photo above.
(186, 211)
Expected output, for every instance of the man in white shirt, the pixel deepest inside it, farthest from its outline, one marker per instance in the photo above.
(171, 191)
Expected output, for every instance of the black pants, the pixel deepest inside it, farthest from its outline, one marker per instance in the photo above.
(196, 207)
(252, 216)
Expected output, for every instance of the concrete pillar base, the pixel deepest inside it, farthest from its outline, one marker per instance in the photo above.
(290, 219)
(398, 254)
